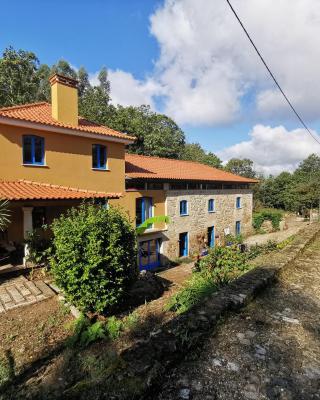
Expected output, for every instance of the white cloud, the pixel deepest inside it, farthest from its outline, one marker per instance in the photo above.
(126, 90)
(202, 42)
(207, 66)
(273, 150)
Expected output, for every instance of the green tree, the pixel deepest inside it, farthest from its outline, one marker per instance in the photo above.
(43, 90)
(18, 79)
(157, 134)
(194, 152)
(94, 259)
(95, 100)
(83, 81)
(242, 167)
(62, 67)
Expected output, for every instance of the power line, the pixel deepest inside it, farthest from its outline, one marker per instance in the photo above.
(271, 74)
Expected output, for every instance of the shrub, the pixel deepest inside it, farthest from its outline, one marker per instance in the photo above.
(259, 249)
(94, 259)
(38, 246)
(221, 265)
(114, 327)
(274, 216)
(199, 286)
(227, 258)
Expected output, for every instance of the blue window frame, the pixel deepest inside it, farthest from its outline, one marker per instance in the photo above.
(183, 207)
(33, 150)
(149, 254)
(238, 228)
(211, 205)
(99, 156)
(183, 244)
(211, 236)
(143, 209)
(238, 202)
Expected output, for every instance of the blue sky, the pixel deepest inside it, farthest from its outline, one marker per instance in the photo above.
(190, 57)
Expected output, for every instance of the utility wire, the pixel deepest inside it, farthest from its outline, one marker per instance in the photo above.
(271, 74)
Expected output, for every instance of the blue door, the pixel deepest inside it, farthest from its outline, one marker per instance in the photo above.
(183, 244)
(211, 236)
(238, 228)
(149, 254)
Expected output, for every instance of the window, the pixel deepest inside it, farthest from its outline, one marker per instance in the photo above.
(33, 150)
(238, 202)
(155, 186)
(143, 210)
(238, 228)
(99, 156)
(178, 186)
(211, 205)
(183, 207)
(135, 185)
(194, 186)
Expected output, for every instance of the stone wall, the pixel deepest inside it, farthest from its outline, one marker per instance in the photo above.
(198, 220)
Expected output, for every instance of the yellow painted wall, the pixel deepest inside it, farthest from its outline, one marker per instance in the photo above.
(64, 103)
(68, 161)
(128, 203)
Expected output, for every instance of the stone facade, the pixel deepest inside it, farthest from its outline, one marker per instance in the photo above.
(199, 219)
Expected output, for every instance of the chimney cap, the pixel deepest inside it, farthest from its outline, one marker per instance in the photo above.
(64, 80)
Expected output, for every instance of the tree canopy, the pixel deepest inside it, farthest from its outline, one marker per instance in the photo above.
(294, 192)
(242, 167)
(194, 152)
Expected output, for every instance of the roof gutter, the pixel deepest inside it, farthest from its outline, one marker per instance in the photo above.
(65, 131)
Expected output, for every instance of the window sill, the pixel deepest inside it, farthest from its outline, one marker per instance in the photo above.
(238, 208)
(101, 169)
(184, 215)
(35, 165)
(211, 212)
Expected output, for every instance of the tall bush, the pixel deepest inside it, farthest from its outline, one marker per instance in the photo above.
(94, 259)
(274, 216)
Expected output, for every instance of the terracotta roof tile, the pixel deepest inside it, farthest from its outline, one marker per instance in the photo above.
(146, 167)
(41, 113)
(29, 190)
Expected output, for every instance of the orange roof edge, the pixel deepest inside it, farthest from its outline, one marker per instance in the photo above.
(40, 113)
(29, 190)
(149, 167)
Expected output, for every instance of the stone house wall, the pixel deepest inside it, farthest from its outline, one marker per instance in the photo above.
(199, 219)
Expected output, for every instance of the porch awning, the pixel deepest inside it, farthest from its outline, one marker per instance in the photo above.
(29, 190)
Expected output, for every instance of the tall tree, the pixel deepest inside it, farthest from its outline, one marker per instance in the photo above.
(157, 134)
(83, 81)
(43, 91)
(95, 100)
(62, 67)
(194, 152)
(18, 79)
(242, 167)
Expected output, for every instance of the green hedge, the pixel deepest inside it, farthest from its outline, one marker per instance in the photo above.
(94, 259)
(219, 267)
(274, 216)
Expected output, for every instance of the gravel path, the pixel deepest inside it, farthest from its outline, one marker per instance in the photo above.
(293, 225)
(270, 350)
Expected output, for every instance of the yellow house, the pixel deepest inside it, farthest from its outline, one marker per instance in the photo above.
(51, 159)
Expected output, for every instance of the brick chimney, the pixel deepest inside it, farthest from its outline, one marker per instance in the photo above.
(64, 99)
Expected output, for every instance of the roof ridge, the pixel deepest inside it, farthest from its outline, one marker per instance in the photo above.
(27, 105)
